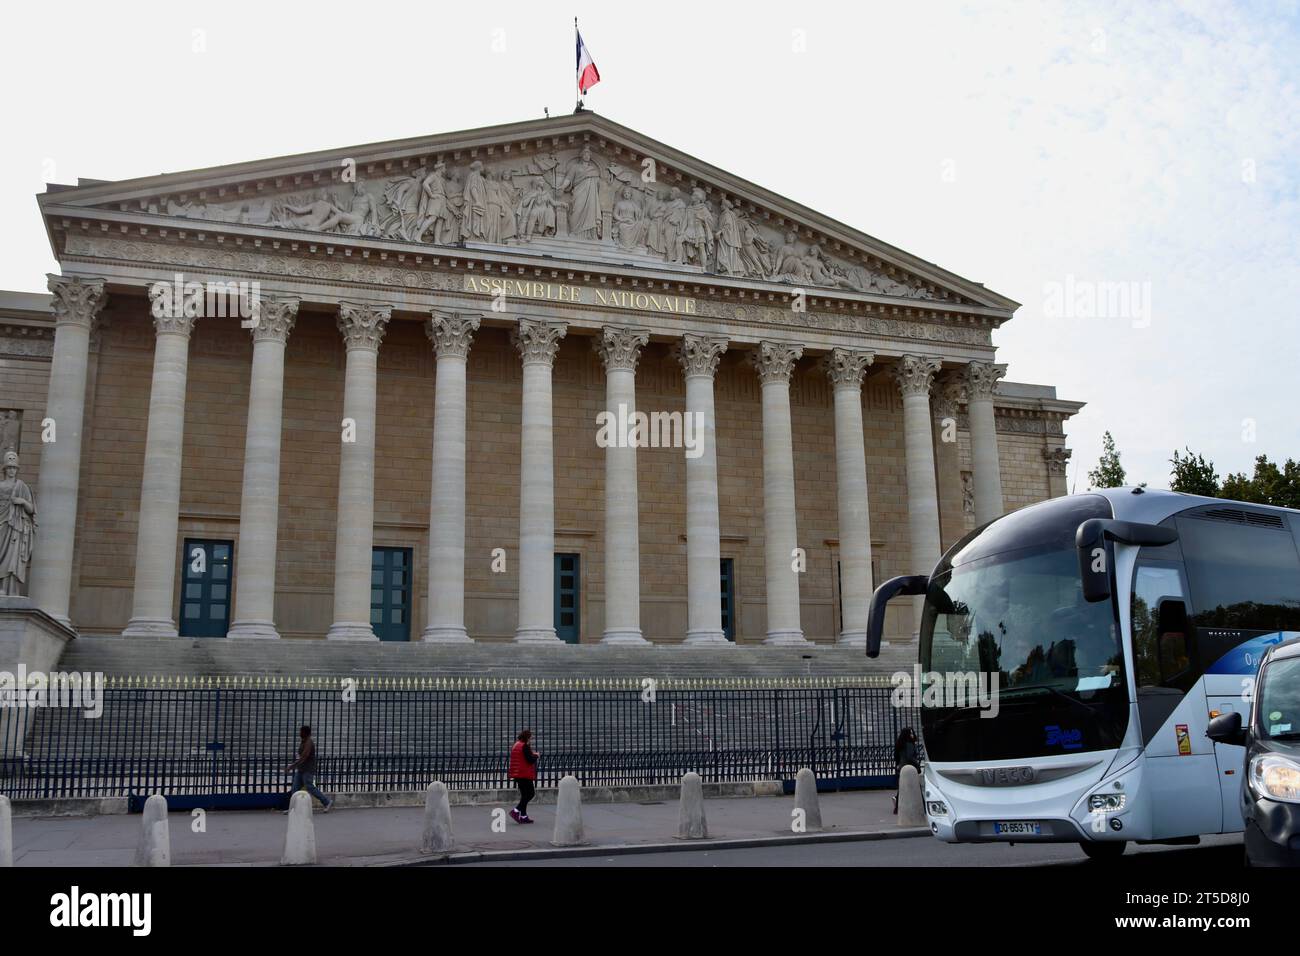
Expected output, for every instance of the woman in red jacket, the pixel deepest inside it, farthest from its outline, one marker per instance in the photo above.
(523, 771)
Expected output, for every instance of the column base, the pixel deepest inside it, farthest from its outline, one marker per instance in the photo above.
(150, 627)
(707, 638)
(852, 639)
(255, 630)
(623, 635)
(446, 635)
(350, 631)
(536, 635)
(786, 639)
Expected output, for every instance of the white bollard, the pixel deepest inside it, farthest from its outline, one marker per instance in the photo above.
(437, 836)
(300, 836)
(155, 847)
(911, 804)
(568, 814)
(691, 824)
(6, 832)
(806, 799)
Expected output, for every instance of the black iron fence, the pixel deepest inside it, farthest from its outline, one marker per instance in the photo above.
(230, 744)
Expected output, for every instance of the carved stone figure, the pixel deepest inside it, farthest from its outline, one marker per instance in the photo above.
(435, 210)
(656, 209)
(536, 214)
(755, 254)
(698, 238)
(674, 226)
(17, 528)
(499, 222)
(629, 227)
(474, 209)
(967, 493)
(581, 180)
(729, 240)
(361, 220)
(311, 214)
(404, 199)
(789, 263)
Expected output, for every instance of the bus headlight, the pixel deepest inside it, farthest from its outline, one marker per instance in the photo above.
(1276, 777)
(936, 808)
(1106, 802)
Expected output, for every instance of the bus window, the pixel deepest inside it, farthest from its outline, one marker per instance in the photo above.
(1243, 576)
(1161, 658)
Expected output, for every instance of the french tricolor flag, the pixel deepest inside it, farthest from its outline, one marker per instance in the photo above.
(588, 75)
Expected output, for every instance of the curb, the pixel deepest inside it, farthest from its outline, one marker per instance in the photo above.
(677, 846)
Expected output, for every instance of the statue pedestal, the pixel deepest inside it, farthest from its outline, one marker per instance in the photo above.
(30, 636)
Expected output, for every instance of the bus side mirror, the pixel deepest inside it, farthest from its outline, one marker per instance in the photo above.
(1227, 729)
(1094, 557)
(910, 584)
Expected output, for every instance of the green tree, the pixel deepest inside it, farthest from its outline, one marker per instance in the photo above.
(1269, 485)
(1109, 473)
(1193, 475)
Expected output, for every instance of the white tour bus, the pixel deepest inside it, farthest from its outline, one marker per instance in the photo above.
(1116, 623)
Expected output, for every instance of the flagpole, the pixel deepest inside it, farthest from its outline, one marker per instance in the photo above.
(577, 78)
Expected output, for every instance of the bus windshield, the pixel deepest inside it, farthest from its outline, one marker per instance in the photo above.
(1015, 622)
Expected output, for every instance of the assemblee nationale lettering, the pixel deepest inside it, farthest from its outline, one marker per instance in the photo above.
(559, 292)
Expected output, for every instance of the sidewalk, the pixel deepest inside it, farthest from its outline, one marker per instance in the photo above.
(391, 835)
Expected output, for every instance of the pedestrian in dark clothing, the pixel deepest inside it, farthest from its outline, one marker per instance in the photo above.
(907, 753)
(304, 769)
(523, 771)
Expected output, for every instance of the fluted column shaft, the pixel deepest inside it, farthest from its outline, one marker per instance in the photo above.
(538, 343)
(76, 304)
(259, 507)
(362, 327)
(775, 363)
(981, 383)
(845, 367)
(160, 490)
(914, 375)
(619, 349)
(699, 356)
(450, 333)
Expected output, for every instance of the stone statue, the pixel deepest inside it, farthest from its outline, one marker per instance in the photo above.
(311, 213)
(698, 239)
(474, 210)
(536, 212)
(788, 265)
(656, 209)
(499, 221)
(674, 226)
(755, 254)
(629, 226)
(435, 210)
(17, 528)
(582, 180)
(361, 220)
(967, 493)
(729, 240)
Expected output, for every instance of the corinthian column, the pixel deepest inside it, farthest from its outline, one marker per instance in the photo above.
(914, 373)
(259, 507)
(699, 355)
(363, 328)
(76, 304)
(619, 349)
(981, 383)
(450, 333)
(845, 367)
(775, 363)
(538, 343)
(160, 491)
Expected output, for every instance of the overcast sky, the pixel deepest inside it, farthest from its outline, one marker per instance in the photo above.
(1050, 151)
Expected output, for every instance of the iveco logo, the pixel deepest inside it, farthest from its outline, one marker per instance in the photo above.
(1005, 776)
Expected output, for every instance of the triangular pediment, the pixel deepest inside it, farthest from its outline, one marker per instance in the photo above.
(575, 189)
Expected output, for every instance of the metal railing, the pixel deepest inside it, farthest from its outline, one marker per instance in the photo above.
(234, 738)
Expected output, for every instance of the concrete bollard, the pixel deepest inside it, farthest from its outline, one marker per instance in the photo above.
(691, 824)
(805, 799)
(568, 814)
(6, 832)
(155, 847)
(911, 804)
(437, 836)
(300, 836)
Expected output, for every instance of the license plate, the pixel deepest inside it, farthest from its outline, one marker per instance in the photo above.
(1017, 828)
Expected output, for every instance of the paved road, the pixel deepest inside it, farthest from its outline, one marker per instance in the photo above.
(1223, 852)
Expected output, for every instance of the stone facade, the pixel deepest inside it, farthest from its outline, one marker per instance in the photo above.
(855, 295)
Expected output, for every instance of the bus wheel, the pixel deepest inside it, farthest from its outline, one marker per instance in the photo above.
(1110, 850)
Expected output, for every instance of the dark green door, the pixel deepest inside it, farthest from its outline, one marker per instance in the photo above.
(728, 599)
(205, 588)
(566, 597)
(390, 593)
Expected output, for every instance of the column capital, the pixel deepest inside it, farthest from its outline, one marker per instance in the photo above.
(275, 318)
(846, 367)
(1057, 459)
(363, 325)
(452, 332)
(619, 347)
(949, 392)
(538, 341)
(774, 361)
(76, 300)
(982, 379)
(170, 315)
(913, 373)
(699, 354)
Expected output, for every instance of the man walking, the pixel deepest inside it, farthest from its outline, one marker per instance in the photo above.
(304, 769)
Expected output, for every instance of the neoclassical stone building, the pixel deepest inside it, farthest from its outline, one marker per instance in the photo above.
(393, 433)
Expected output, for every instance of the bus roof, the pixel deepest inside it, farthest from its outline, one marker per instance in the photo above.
(1153, 506)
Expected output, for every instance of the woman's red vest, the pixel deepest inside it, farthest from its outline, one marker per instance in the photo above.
(519, 765)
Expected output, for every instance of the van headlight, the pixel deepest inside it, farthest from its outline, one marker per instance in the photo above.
(1276, 777)
(1106, 802)
(936, 808)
